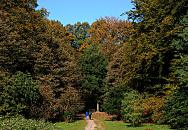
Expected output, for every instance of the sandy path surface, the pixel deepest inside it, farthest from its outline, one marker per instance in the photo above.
(90, 125)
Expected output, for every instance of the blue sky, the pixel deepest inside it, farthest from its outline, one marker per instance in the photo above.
(72, 11)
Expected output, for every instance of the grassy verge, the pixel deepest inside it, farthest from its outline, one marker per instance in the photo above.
(77, 125)
(99, 124)
(20, 123)
(117, 125)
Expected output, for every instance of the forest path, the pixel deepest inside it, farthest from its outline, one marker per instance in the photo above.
(90, 125)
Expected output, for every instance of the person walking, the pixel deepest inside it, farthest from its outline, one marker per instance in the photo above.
(90, 113)
(87, 115)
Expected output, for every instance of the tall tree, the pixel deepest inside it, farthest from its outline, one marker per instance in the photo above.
(31, 43)
(149, 48)
(110, 33)
(56, 67)
(176, 107)
(20, 31)
(93, 67)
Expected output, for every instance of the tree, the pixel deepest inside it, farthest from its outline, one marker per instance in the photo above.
(176, 107)
(109, 33)
(180, 45)
(20, 30)
(130, 110)
(56, 68)
(93, 68)
(79, 31)
(71, 103)
(8, 5)
(148, 53)
(31, 43)
(19, 95)
(113, 100)
(143, 63)
(176, 110)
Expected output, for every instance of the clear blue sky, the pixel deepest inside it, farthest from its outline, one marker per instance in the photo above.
(72, 11)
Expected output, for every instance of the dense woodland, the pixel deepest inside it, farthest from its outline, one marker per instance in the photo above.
(136, 69)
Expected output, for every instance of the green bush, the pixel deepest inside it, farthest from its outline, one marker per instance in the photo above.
(152, 109)
(176, 109)
(19, 93)
(130, 109)
(112, 100)
(68, 117)
(20, 123)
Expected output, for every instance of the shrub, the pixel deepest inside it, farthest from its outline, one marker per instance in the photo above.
(19, 93)
(112, 101)
(20, 123)
(152, 108)
(137, 109)
(68, 117)
(130, 109)
(176, 109)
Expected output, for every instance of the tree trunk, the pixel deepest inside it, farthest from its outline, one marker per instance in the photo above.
(97, 107)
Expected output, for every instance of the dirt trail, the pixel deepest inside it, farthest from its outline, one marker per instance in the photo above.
(90, 125)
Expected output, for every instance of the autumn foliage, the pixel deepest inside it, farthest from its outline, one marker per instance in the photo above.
(135, 68)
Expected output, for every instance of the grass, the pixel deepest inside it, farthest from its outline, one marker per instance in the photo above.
(77, 125)
(20, 123)
(99, 124)
(117, 125)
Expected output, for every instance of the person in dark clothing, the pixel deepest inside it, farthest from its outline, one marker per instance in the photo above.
(90, 113)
